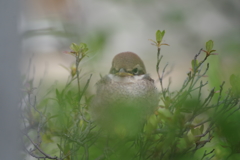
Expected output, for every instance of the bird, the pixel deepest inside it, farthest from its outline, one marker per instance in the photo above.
(125, 97)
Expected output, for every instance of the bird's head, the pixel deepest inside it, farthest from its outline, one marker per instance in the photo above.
(127, 64)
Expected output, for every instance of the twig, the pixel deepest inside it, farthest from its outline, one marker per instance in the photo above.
(39, 149)
(207, 131)
(206, 154)
(199, 124)
(220, 95)
(233, 112)
(200, 87)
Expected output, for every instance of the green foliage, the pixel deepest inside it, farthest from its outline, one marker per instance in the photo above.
(235, 83)
(186, 122)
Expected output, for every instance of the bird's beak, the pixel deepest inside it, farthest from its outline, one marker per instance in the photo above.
(123, 73)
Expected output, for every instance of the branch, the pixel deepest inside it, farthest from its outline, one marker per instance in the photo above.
(40, 150)
(205, 154)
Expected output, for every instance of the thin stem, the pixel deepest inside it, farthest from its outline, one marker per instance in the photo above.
(78, 79)
(205, 153)
(159, 58)
(220, 95)
(39, 149)
(197, 125)
(161, 78)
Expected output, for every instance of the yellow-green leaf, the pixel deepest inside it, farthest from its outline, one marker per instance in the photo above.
(59, 147)
(194, 64)
(209, 45)
(74, 47)
(158, 36)
(83, 45)
(163, 33)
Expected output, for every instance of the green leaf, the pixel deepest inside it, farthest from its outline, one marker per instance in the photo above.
(196, 131)
(212, 51)
(61, 149)
(158, 36)
(209, 45)
(194, 64)
(85, 50)
(47, 138)
(74, 47)
(163, 33)
(83, 45)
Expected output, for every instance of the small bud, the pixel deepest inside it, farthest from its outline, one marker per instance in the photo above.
(73, 70)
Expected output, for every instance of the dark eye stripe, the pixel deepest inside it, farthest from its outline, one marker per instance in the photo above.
(113, 71)
(135, 71)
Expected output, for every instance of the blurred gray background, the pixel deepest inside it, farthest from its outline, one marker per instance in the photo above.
(48, 27)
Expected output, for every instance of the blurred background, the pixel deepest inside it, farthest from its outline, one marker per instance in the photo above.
(48, 27)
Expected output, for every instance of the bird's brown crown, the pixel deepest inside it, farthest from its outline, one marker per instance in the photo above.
(129, 63)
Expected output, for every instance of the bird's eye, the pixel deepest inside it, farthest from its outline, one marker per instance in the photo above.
(135, 71)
